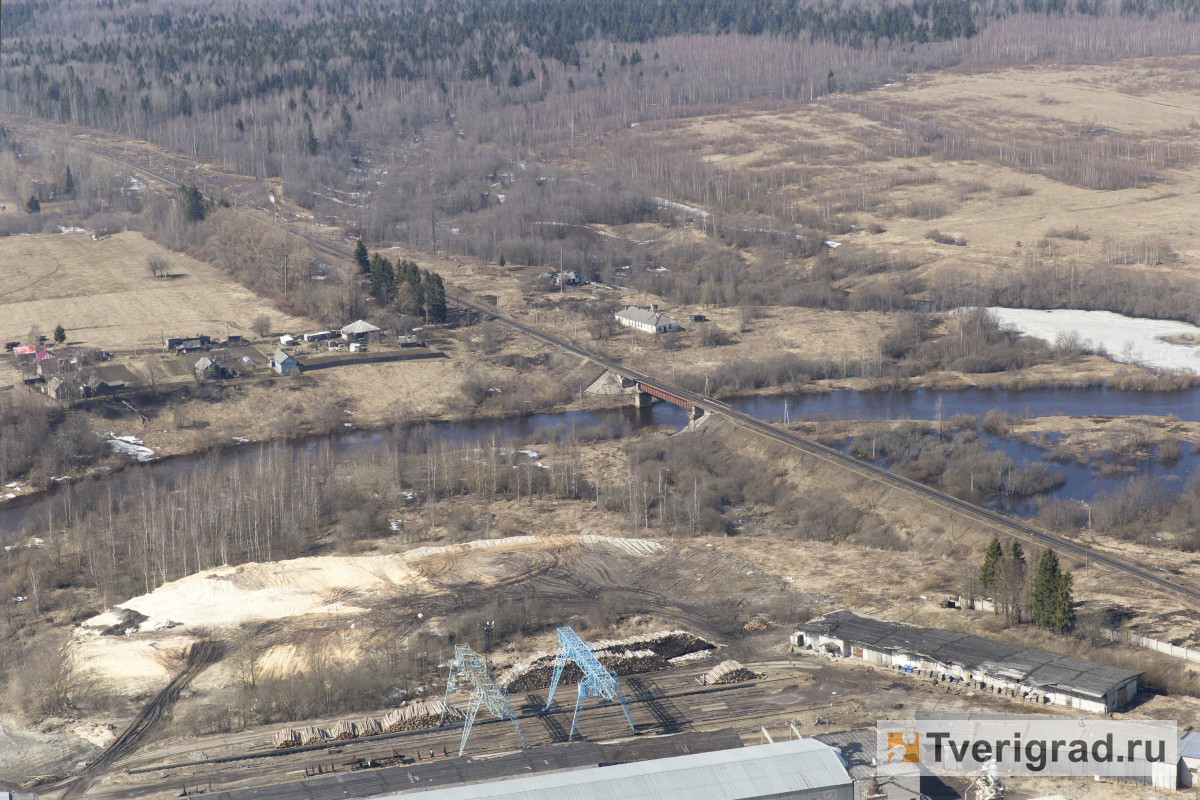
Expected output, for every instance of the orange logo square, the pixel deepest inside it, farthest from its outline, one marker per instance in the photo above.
(901, 751)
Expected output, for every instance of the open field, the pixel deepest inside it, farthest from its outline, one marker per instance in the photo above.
(103, 294)
(928, 154)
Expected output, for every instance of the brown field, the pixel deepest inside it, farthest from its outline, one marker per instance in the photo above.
(102, 293)
(851, 153)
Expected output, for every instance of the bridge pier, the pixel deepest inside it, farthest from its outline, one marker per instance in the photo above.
(644, 400)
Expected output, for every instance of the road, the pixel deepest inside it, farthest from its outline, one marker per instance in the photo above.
(201, 655)
(989, 519)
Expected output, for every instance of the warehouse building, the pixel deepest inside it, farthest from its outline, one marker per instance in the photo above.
(800, 769)
(1027, 673)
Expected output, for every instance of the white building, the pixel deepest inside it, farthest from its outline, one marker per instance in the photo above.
(649, 320)
(986, 665)
(798, 769)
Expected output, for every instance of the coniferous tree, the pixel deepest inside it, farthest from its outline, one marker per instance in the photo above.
(193, 207)
(383, 278)
(435, 298)
(1063, 615)
(60, 334)
(69, 183)
(1012, 583)
(361, 258)
(993, 558)
(33, 205)
(1051, 604)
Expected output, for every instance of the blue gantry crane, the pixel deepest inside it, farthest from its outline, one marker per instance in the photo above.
(469, 667)
(598, 680)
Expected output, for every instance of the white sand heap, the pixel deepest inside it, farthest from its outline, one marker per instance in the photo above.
(136, 644)
(230, 596)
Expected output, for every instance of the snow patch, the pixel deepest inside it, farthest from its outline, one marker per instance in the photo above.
(131, 446)
(665, 203)
(1125, 338)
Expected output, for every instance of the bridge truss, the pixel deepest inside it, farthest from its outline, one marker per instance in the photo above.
(598, 680)
(470, 668)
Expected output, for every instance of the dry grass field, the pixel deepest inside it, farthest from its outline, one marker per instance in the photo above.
(997, 158)
(103, 294)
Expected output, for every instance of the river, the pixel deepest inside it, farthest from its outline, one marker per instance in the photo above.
(1083, 480)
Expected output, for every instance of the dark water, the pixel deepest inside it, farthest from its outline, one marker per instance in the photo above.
(922, 404)
(1083, 480)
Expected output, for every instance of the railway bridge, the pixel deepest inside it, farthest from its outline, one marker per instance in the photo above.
(617, 380)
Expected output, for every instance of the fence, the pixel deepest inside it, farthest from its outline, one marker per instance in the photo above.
(1166, 648)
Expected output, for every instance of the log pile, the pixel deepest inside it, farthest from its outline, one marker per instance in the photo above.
(367, 726)
(409, 717)
(632, 662)
(344, 729)
(288, 737)
(728, 672)
(313, 735)
(653, 652)
(419, 714)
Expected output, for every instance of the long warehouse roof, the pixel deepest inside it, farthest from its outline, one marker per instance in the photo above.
(1025, 664)
(743, 772)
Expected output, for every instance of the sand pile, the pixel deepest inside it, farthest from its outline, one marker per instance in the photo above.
(136, 644)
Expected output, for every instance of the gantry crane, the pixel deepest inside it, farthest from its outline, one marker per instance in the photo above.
(598, 680)
(469, 667)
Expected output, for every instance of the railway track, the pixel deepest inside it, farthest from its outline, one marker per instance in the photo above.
(989, 519)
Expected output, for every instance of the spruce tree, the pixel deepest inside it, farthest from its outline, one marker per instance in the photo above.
(69, 183)
(1052, 604)
(361, 258)
(1013, 583)
(989, 572)
(435, 297)
(383, 278)
(1062, 617)
(60, 334)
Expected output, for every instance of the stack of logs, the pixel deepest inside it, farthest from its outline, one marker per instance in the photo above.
(409, 717)
(419, 714)
(629, 656)
(728, 672)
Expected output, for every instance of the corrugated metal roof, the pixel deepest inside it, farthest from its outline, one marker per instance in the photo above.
(1026, 664)
(744, 772)
(1189, 745)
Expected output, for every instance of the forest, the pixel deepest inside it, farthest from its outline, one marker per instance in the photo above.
(486, 130)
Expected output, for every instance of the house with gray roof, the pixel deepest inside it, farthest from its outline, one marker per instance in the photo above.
(284, 363)
(648, 320)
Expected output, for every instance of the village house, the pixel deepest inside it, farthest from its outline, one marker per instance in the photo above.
(358, 331)
(186, 343)
(283, 363)
(649, 320)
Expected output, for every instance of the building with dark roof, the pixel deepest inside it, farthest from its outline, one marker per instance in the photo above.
(1013, 670)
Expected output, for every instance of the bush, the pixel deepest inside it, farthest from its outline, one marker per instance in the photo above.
(946, 238)
(1074, 234)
